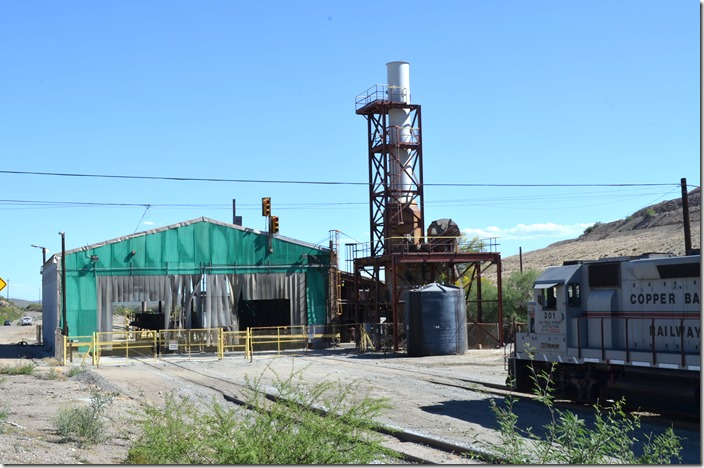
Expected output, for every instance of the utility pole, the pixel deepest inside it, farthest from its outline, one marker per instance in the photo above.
(520, 257)
(685, 217)
(64, 330)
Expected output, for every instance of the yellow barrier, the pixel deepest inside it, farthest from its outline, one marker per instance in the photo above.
(131, 343)
(191, 341)
(158, 343)
(234, 341)
(288, 338)
(75, 343)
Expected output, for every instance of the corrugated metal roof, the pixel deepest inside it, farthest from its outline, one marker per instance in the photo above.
(202, 219)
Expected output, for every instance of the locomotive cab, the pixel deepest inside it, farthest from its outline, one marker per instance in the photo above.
(556, 302)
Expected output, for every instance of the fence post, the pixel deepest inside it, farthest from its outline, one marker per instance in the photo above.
(221, 343)
(96, 351)
(250, 346)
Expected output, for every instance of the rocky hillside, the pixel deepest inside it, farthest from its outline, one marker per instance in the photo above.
(657, 228)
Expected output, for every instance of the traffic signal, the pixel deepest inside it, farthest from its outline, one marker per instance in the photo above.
(266, 206)
(274, 225)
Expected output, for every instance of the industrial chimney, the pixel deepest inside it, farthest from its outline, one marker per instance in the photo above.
(395, 153)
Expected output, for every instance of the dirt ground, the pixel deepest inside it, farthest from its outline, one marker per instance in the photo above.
(445, 411)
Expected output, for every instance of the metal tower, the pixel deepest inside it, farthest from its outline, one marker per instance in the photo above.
(400, 257)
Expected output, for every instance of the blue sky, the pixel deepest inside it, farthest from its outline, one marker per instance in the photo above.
(512, 92)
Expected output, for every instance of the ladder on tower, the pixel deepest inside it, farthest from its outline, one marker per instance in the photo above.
(336, 279)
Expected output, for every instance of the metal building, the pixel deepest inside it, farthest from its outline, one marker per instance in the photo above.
(202, 273)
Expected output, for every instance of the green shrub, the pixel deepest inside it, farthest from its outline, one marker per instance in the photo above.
(650, 212)
(289, 430)
(4, 413)
(83, 424)
(592, 227)
(18, 369)
(51, 374)
(74, 371)
(568, 440)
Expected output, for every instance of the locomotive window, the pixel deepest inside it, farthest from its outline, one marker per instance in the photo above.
(550, 299)
(573, 298)
(679, 270)
(604, 275)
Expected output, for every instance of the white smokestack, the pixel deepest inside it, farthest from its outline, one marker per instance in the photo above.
(399, 90)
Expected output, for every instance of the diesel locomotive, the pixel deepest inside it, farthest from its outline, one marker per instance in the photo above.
(616, 327)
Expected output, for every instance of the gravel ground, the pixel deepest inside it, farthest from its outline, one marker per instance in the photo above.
(449, 412)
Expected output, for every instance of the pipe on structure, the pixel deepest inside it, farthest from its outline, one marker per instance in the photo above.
(400, 128)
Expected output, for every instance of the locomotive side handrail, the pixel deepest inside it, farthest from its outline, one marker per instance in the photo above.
(603, 348)
(652, 324)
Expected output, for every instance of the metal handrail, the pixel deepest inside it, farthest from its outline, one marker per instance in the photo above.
(627, 347)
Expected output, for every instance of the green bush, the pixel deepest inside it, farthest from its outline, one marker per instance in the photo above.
(18, 369)
(74, 371)
(83, 424)
(291, 429)
(4, 413)
(51, 374)
(592, 227)
(568, 440)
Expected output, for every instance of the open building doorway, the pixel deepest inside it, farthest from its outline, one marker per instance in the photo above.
(264, 313)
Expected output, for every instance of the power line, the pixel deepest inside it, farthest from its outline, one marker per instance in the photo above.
(319, 182)
(501, 201)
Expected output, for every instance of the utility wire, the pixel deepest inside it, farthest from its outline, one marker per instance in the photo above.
(498, 202)
(312, 182)
(142, 218)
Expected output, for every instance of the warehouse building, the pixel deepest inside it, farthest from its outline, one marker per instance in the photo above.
(200, 273)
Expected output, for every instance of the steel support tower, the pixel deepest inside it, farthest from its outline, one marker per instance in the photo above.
(399, 258)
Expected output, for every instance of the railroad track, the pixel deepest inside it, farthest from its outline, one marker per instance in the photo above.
(409, 446)
(431, 376)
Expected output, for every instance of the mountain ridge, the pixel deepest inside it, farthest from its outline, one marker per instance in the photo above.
(658, 228)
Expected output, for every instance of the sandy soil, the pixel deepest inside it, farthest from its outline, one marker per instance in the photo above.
(450, 412)
(32, 401)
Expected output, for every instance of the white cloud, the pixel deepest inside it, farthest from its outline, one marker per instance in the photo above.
(529, 231)
(148, 223)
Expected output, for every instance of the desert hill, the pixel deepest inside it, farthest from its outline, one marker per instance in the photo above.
(658, 228)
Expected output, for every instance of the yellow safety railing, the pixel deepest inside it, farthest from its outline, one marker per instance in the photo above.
(235, 341)
(189, 342)
(79, 345)
(289, 338)
(277, 338)
(127, 343)
(217, 341)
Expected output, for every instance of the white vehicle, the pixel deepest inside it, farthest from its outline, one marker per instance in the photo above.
(26, 321)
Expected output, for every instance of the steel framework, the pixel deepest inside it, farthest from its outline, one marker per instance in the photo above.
(399, 258)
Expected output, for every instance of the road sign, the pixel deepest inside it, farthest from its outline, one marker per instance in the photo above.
(2, 284)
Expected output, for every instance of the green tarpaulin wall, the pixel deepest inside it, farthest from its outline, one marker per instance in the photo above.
(165, 263)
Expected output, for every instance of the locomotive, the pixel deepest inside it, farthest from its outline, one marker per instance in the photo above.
(616, 327)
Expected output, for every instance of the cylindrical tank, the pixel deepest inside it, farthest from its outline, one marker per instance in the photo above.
(436, 321)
